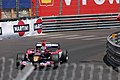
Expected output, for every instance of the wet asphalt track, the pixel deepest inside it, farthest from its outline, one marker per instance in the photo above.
(87, 46)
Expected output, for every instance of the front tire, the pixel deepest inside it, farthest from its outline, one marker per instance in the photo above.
(20, 57)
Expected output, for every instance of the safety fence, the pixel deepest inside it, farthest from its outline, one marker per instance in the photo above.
(112, 58)
(79, 22)
(84, 70)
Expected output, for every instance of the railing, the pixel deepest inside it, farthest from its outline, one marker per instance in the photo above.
(79, 22)
(112, 58)
(62, 23)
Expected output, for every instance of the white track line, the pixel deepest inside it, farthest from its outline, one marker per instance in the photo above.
(94, 38)
(80, 37)
(47, 35)
(65, 36)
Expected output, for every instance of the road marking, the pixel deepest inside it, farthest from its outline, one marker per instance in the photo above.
(65, 36)
(43, 34)
(48, 35)
(103, 40)
(94, 38)
(80, 37)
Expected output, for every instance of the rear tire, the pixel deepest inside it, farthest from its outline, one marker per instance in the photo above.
(20, 56)
(21, 67)
(64, 57)
(35, 65)
(55, 59)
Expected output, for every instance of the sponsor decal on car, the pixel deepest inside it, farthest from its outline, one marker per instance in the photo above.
(48, 45)
(38, 26)
(0, 30)
(35, 58)
(21, 28)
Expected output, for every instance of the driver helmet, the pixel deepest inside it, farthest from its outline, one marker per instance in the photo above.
(43, 44)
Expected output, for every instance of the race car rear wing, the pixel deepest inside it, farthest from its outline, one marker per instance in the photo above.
(49, 45)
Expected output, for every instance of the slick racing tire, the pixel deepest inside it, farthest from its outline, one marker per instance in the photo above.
(19, 58)
(35, 65)
(64, 57)
(21, 67)
(55, 59)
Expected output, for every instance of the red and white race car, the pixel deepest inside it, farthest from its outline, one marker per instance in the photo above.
(52, 55)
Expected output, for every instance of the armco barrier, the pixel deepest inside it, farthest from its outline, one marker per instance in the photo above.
(78, 22)
(34, 26)
(112, 58)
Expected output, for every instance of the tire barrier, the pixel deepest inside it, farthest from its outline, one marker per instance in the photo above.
(112, 58)
(79, 22)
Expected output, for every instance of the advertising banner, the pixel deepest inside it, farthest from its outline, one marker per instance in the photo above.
(98, 6)
(28, 27)
(1, 33)
(20, 28)
(46, 2)
(35, 27)
(49, 7)
(69, 7)
(7, 29)
(0, 30)
(74, 7)
(38, 26)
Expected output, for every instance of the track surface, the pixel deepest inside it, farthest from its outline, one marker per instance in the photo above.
(87, 46)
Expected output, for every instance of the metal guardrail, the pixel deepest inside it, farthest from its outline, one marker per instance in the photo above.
(78, 22)
(112, 58)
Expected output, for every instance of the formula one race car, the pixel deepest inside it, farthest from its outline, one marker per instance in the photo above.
(50, 55)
